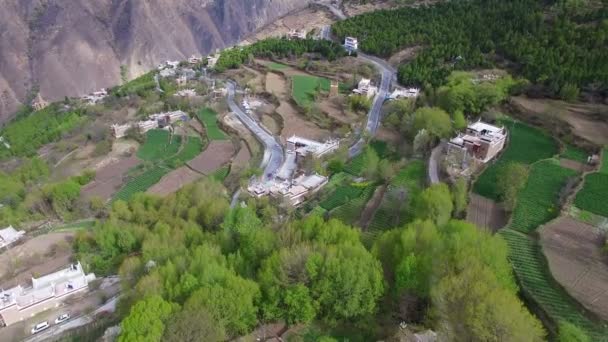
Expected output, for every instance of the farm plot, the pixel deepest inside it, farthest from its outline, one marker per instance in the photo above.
(592, 197)
(526, 145)
(305, 87)
(208, 118)
(574, 153)
(350, 211)
(486, 213)
(217, 154)
(535, 280)
(395, 206)
(141, 183)
(576, 260)
(174, 181)
(342, 195)
(537, 201)
(108, 179)
(159, 144)
(191, 149)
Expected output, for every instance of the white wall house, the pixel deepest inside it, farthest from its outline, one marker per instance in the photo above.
(351, 44)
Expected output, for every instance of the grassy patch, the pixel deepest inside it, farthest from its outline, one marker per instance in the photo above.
(526, 145)
(350, 212)
(220, 174)
(191, 149)
(604, 166)
(276, 66)
(159, 145)
(305, 88)
(342, 195)
(537, 202)
(73, 226)
(592, 197)
(574, 153)
(208, 118)
(536, 281)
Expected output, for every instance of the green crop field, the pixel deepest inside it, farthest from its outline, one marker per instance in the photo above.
(191, 149)
(305, 87)
(341, 195)
(208, 118)
(592, 197)
(536, 281)
(411, 177)
(526, 145)
(604, 167)
(574, 153)
(276, 66)
(158, 146)
(140, 183)
(350, 212)
(537, 201)
(220, 174)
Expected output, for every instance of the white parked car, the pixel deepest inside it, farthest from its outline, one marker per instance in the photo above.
(62, 318)
(39, 327)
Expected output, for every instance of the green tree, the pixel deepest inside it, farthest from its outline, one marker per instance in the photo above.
(145, 322)
(299, 305)
(460, 123)
(569, 332)
(511, 178)
(435, 204)
(460, 196)
(193, 325)
(569, 92)
(370, 168)
(435, 120)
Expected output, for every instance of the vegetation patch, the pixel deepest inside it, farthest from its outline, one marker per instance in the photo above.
(208, 117)
(276, 66)
(141, 183)
(536, 281)
(30, 131)
(592, 197)
(158, 145)
(305, 88)
(526, 145)
(340, 196)
(139, 86)
(574, 153)
(537, 202)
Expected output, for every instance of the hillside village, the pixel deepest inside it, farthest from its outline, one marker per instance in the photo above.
(312, 185)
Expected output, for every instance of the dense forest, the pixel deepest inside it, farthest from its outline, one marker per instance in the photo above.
(193, 269)
(278, 47)
(562, 46)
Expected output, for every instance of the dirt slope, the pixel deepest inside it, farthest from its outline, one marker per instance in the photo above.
(74, 47)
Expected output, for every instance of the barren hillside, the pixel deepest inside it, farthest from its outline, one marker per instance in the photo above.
(71, 47)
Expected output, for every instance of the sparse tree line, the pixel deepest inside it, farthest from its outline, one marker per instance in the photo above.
(277, 48)
(559, 48)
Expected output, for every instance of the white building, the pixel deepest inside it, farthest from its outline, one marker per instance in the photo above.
(303, 146)
(195, 59)
(167, 73)
(351, 44)
(20, 303)
(181, 80)
(212, 60)
(297, 34)
(186, 93)
(96, 96)
(404, 93)
(10, 235)
(481, 141)
(119, 131)
(147, 125)
(294, 191)
(366, 88)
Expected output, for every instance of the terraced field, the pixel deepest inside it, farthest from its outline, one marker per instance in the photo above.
(526, 145)
(141, 183)
(158, 145)
(537, 202)
(592, 197)
(536, 281)
(305, 87)
(208, 118)
(350, 212)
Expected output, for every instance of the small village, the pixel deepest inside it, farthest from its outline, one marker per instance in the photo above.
(310, 182)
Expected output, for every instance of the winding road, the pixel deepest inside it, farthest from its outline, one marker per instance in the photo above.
(273, 151)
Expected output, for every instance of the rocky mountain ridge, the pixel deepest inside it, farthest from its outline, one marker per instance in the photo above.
(72, 47)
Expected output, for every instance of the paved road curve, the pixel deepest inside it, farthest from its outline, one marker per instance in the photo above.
(273, 151)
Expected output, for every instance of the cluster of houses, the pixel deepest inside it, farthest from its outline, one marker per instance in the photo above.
(154, 121)
(95, 97)
(22, 302)
(295, 189)
(480, 143)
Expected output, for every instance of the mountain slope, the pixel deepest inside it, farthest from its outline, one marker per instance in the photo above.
(73, 47)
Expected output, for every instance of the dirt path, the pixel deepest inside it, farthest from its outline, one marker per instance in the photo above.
(485, 213)
(573, 250)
